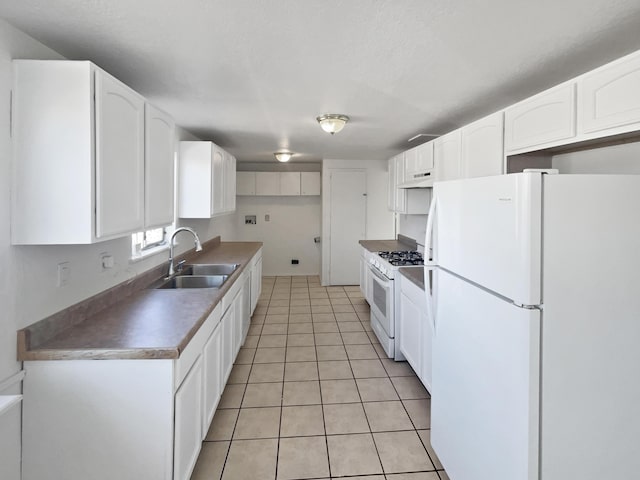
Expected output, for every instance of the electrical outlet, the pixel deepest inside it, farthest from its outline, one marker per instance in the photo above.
(64, 273)
(295, 261)
(250, 220)
(107, 261)
(267, 218)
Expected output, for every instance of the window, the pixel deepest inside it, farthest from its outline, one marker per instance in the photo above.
(149, 241)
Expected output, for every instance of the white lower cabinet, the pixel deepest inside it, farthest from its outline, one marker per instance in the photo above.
(415, 330)
(133, 419)
(256, 280)
(212, 374)
(228, 321)
(188, 422)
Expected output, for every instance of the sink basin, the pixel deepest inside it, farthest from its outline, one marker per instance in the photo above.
(195, 281)
(208, 269)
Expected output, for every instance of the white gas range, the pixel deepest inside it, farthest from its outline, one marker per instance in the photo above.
(381, 293)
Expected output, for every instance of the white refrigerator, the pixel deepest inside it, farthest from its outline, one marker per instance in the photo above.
(536, 308)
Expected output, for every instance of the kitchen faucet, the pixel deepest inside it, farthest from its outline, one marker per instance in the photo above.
(172, 269)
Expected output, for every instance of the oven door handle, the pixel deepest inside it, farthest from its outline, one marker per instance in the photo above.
(381, 277)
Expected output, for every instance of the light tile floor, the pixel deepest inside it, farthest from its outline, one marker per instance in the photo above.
(312, 395)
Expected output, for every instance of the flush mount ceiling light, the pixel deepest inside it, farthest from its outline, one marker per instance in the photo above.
(332, 122)
(283, 156)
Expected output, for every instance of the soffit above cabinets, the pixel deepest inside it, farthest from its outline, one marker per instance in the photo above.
(252, 76)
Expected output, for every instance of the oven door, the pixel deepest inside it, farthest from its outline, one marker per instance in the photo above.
(381, 290)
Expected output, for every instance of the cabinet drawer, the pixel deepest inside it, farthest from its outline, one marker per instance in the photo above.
(610, 96)
(545, 118)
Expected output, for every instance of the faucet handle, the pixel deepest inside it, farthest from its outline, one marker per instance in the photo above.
(180, 265)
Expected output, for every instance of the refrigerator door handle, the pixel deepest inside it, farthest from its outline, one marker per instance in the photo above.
(427, 248)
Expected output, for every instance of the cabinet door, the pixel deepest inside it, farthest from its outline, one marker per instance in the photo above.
(545, 118)
(158, 168)
(238, 322)
(267, 183)
(289, 183)
(400, 193)
(119, 157)
(410, 332)
(195, 180)
(446, 154)
(246, 183)
(310, 183)
(256, 283)
(212, 374)
(610, 96)
(364, 267)
(424, 158)
(230, 183)
(188, 423)
(482, 147)
(411, 162)
(228, 321)
(218, 170)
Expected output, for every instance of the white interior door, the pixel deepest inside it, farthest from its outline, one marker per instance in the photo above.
(348, 211)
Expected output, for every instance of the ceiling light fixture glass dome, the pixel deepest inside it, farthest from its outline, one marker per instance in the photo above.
(332, 122)
(283, 156)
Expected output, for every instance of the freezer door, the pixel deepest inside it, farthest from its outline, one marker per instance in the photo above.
(484, 407)
(488, 230)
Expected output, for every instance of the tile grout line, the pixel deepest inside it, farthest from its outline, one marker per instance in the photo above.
(235, 424)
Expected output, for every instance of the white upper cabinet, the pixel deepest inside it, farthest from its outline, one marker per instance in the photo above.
(309, 183)
(267, 183)
(289, 183)
(219, 180)
(246, 183)
(543, 120)
(78, 160)
(119, 157)
(158, 168)
(230, 183)
(446, 154)
(401, 196)
(418, 163)
(609, 97)
(482, 147)
(206, 171)
(279, 183)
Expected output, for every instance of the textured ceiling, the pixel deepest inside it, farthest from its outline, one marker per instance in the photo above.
(253, 75)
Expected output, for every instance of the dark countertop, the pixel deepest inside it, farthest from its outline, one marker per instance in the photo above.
(145, 324)
(415, 274)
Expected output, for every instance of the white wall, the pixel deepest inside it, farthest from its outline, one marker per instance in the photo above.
(624, 158)
(380, 222)
(28, 274)
(294, 222)
(413, 226)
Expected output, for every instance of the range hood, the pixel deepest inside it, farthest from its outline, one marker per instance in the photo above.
(425, 181)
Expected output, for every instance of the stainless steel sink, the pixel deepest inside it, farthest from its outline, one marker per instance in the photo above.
(195, 281)
(208, 269)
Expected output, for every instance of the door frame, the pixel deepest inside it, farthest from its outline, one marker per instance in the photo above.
(326, 218)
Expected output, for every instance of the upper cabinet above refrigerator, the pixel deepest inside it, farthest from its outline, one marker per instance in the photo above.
(609, 97)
